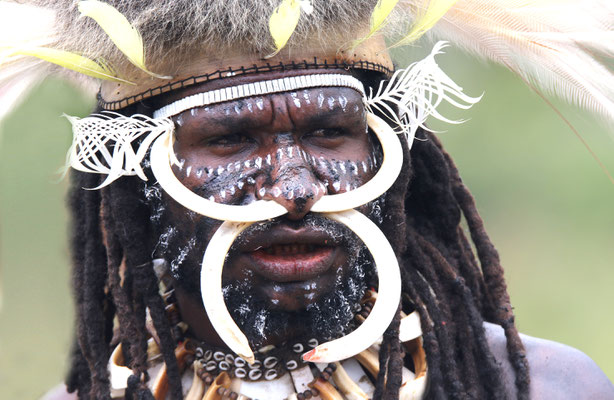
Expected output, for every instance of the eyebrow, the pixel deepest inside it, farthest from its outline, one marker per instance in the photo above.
(320, 118)
(263, 117)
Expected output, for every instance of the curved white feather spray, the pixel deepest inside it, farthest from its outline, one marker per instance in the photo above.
(416, 92)
(21, 24)
(104, 143)
(552, 44)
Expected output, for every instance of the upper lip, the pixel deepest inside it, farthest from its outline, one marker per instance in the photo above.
(283, 234)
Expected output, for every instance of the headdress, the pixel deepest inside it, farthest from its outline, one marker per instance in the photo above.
(550, 44)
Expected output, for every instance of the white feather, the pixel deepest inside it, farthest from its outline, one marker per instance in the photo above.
(22, 24)
(416, 92)
(554, 45)
(105, 143)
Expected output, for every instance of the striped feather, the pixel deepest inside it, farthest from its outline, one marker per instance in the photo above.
(553, 45)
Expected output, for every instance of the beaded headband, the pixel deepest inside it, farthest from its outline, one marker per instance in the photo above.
(260, 88)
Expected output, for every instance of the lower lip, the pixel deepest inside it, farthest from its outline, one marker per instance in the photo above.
(292, 267)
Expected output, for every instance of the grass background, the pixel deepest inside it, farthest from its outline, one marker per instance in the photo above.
(546, 203)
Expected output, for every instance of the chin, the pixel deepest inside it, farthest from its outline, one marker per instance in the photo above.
(323, 309)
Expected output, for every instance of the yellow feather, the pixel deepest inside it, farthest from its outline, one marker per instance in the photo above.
(127, 39)
(66, 59)
(283, 22)
(382, 10)
(426, 19)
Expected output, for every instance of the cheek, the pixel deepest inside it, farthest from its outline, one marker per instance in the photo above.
(183, 234)
(345, 175)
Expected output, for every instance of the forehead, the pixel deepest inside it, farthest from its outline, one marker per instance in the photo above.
(306, 106)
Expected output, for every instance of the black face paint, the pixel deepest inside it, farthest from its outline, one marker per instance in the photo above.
(291, 148)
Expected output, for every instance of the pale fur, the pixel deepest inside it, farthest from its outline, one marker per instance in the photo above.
(182, 28)
(552, 44)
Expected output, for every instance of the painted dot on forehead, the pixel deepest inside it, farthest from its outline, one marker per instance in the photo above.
(320, 100)
(296, 100)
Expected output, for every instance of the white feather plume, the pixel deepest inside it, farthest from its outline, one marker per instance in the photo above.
(554, 45)
(105, 143)
(21, 24)
(416, 92)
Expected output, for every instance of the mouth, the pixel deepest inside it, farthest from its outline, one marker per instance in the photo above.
(289, 265)
(291, 262)
(286, 253)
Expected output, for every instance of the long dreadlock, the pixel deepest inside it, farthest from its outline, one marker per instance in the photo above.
(453, 291)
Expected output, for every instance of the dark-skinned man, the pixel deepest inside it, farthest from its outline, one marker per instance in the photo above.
(283, 227)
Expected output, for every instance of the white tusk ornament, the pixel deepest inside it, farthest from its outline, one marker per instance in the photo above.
(388, 298)
(345, 347)
(261, 210)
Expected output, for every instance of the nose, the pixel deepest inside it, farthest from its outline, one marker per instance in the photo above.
(292, 182)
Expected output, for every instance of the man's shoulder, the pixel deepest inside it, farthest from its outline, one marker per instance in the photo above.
(59, 393)
(557, 371)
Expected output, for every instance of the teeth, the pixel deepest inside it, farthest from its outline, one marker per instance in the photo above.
(348, 387)
(197, 390)
(289, 249)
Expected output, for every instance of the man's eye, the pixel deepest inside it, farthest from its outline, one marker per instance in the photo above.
(227, 140)
(327, 133)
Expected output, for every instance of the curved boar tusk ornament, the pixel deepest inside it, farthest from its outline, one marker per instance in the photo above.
(410, 327)
(161, 167)
(389, 293)
(353, 343)
(211, 289)
(380, 183)
(260, 210)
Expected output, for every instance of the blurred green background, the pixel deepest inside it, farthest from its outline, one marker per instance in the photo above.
(546, 203)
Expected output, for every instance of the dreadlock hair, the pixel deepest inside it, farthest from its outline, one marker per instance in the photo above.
(454, 293)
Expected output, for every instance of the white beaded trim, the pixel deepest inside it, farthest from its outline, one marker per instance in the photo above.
(259, 89)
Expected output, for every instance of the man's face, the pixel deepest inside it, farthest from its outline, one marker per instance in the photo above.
(291, 148)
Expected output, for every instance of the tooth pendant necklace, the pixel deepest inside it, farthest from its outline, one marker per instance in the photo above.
(279, 373)
(226, 376)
